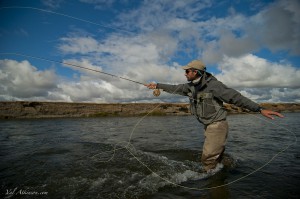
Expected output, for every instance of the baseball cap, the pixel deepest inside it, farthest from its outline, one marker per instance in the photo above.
(195, 64)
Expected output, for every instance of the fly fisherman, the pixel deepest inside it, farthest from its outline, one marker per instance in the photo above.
(207, 95)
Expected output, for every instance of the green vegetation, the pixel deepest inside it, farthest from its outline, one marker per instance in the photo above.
(154, 113)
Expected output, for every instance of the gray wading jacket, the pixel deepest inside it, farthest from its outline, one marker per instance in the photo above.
(207, 97)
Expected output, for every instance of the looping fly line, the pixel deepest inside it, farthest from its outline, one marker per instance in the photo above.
(155, 93)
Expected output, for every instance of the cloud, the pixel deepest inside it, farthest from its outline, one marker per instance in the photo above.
(86, 90)
(83, 65)
(250, 71)
(261, 80)
(82, 45)
(277, 27)
(136, 57)
(100, 4)
(287, 95)
(150, 16)
(164, 35)
(52, 4)
(22, 80)
(187, 33)
(177, 31)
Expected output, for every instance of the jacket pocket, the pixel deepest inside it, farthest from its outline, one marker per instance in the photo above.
(205, 105)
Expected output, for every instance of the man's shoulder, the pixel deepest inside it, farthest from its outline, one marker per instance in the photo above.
(212, 79)
(214, 83)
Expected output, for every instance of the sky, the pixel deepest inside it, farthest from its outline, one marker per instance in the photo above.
(252, 46)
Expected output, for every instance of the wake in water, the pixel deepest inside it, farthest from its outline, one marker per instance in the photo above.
(133, 173)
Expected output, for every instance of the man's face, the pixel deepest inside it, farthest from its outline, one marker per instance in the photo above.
(191, 74)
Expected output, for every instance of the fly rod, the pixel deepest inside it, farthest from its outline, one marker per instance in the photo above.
(156, 92)
(71, 64)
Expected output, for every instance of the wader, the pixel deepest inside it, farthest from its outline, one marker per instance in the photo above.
(214, 144)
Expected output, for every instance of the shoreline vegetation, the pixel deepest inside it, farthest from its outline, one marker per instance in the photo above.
(35, 109)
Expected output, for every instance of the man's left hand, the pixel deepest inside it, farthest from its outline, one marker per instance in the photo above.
(269, 113)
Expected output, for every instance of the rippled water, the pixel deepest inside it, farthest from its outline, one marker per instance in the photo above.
(157, 157)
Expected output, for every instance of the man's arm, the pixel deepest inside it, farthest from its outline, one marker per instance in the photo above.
(180, 89)
(232, 96)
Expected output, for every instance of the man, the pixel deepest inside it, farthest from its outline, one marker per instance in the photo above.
(207, 95)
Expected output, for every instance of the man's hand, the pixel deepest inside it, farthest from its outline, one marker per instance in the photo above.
(151, 85)
(269, 113)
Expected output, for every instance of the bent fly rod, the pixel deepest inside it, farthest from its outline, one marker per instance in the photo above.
(70, 64)
(156, 92)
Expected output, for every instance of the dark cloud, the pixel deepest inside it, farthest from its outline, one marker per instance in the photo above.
(277, 27)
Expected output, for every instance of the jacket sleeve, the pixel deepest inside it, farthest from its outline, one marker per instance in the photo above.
(180, 89)
(232, 96)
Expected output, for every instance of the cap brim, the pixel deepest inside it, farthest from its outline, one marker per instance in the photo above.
(186, 67)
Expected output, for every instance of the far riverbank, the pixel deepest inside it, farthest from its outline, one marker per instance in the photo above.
(26, 109)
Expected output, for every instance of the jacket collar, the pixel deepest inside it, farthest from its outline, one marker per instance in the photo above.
(196, 81)
(202, 81)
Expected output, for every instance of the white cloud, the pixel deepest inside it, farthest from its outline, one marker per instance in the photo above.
(176, 29)
(100, 4)
(82, 45)
(151, 15)
(52, 4)
(162, 33)
(261, 80)
(22, 80)
(83, 65)
(137, 57)
(184, 31)
(85, 90)
(253, 72)
(272, 95)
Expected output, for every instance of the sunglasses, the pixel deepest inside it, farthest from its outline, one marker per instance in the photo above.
(188, 70)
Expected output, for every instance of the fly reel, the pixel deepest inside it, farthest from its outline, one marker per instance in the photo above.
(156, 92)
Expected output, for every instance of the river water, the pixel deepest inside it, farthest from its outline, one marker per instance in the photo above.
(150, 157)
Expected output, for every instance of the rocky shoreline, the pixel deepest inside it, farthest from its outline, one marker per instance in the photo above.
(23, 109)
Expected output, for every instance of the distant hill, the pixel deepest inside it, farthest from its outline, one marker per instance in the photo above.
(22, 109)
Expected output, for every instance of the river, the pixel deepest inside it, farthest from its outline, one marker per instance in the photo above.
(150, 157)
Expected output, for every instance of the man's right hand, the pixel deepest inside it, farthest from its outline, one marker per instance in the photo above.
(151, 85)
